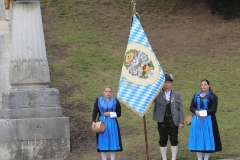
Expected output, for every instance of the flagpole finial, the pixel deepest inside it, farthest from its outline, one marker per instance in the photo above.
(134, 3)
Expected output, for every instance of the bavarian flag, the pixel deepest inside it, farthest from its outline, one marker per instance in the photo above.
(142, 76)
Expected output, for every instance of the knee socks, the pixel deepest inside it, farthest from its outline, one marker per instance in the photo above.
(199, 155)
(104, 155)
(206, 156)
(112, 155)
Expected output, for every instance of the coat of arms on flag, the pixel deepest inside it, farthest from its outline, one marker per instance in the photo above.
(142, 76)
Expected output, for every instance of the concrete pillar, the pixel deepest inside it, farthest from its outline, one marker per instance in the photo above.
(32, 126)
(28, 65)
(5, 51)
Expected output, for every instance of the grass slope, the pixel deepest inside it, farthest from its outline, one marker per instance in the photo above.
(86, 41)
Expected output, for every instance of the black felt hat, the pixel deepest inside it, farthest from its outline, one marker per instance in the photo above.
(168, 77)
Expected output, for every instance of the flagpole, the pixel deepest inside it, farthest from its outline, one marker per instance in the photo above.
(134, 3)
(146, 141)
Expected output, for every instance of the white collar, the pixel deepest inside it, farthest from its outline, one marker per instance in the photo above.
(167, 95)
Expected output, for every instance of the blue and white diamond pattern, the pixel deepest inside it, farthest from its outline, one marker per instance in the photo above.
(137, 34)
(138, 97)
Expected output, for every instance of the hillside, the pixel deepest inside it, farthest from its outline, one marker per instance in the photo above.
(86, 41)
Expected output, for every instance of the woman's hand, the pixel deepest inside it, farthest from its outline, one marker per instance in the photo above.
(106, 114)
(93, 125)
(198, 114)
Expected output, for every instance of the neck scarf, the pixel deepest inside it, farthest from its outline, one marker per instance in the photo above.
(105, 106)
(197, 100)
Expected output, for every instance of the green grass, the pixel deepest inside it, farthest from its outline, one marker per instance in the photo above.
(93, 58)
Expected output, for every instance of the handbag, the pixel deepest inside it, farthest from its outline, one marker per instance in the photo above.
(99, 127)
(188, 119)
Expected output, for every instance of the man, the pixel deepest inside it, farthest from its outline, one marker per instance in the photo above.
(7, 7)
(168, 112)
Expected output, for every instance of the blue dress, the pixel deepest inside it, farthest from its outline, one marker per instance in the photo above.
(110, 138)
(201, 137)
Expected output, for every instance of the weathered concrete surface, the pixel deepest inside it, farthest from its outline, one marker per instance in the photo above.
(21, 113)
(43, 128)
(28, 65)
(2, 13)
(31, 98)
(5, 50)
(35, 138)
(31, 103)
(8, 130)
(34, 129)
(31, 126)
(34, 150)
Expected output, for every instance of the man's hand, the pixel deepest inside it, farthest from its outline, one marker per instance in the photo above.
(180, 125)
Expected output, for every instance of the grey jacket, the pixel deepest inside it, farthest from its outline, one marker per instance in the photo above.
(176, 107)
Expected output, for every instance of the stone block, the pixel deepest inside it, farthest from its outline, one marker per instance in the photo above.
(43, 128)
(34, 139)
(10, 150)
(57, 149)
(21, 113)
(30, 103)
(7, 130)
(45, 149)
(30, 98)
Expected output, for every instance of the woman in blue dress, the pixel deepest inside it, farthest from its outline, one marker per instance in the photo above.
(204, 135)
(108, 109)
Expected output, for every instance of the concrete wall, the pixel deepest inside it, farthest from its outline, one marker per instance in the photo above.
(35, 138)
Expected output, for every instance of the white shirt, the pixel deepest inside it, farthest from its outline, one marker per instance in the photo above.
(167, 95)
